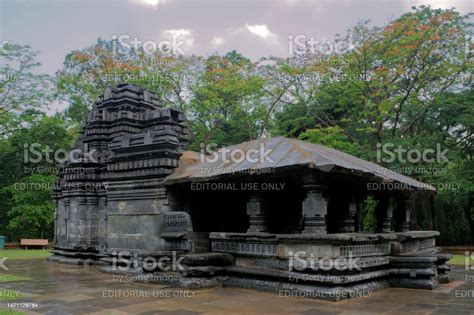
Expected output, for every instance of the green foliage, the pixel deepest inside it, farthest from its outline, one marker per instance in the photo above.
(226, 107)
(22, 91)
(332, 137)
(87, 72)
(32, 208)
(25, 186)
(406, 84)
(369, 222)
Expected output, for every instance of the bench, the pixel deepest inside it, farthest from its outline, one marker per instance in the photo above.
(13, 245)
(33, 242)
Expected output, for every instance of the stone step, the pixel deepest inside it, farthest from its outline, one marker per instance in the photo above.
(291, 276)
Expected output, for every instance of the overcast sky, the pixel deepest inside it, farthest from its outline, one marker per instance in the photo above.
(255, 28)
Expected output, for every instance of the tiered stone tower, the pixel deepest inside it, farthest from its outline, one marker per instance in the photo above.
(111, 195)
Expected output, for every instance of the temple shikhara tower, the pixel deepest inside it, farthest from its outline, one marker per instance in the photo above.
(270, 224)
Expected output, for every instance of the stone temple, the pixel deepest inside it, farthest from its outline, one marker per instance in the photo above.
(285, 219)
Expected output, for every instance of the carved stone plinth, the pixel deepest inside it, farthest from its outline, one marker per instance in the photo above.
(348, 224)
(387, 222)
(257, 215)
(314, 210)
(406, 222)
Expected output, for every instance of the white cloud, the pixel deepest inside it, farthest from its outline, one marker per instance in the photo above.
(259, 30)
(290, 2)
(181, 38)
(153, 3)
(217, 41)
(462, 6)
(262, 31)
(179, 32)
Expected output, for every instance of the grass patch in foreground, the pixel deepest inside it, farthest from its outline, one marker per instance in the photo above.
(25, 254)
(7, 311)
(457, 260)
(5, 277)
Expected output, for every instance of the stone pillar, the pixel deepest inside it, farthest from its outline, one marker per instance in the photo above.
(257, 215)
(314, 210)
(387, 222)
(403, 211)
(406, 213)
(406, 222)
(348, 223)
(384, 213)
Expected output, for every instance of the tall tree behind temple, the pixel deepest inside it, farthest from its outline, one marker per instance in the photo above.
(407, 84)
(221, 94)
(226, 107)
(87, 72)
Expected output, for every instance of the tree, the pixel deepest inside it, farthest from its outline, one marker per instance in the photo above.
(22, 92)
(226, 107)
(32, 209)
(87, 72)
(389, 85)
(407, 84)
(26, 178)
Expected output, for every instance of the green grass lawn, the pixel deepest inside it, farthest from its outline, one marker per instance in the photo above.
(457, 260)
(13, 254)
(5, 277)
(8, 311)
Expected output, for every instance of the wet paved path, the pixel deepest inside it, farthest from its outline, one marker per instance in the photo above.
(61, 289)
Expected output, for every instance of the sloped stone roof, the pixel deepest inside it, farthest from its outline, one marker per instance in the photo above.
(284, 153)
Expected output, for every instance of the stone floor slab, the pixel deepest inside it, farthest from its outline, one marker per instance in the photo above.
(66, 289)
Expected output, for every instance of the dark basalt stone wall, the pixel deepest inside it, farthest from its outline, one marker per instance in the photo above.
(111, 195)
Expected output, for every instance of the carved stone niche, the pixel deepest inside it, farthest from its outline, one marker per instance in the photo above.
(176, 224)
(177, 228)
(314, 210)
